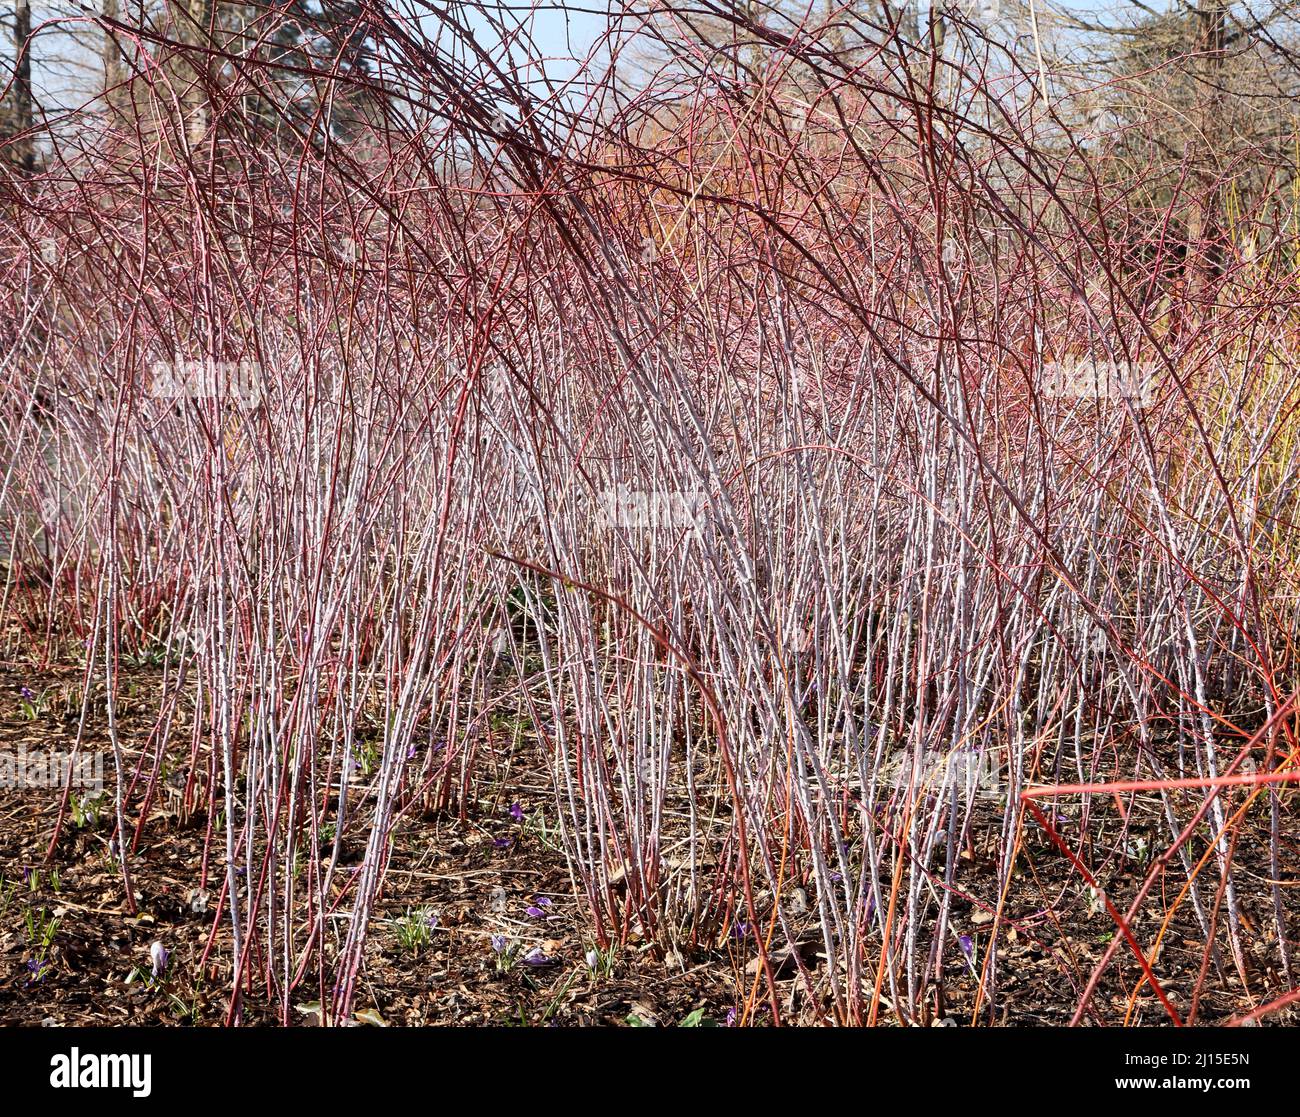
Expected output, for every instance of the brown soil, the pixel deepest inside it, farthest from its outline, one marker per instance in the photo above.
(476, 877)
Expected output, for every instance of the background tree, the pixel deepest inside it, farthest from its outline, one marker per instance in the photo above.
(17, 111)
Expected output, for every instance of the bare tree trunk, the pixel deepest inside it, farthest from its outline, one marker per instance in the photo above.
(114, 68)
(24, 114)
(1204, 256)
(198, 31)
(909, 26)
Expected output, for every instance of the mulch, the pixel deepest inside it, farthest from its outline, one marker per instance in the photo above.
(503, 937)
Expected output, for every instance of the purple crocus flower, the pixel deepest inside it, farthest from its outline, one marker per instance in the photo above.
(516, 812)
(731, 1018)
(502, 843)
(158, 955)
(499, 943)
(28, 693)
(967, 947)
(37, 969)
(536, 957)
